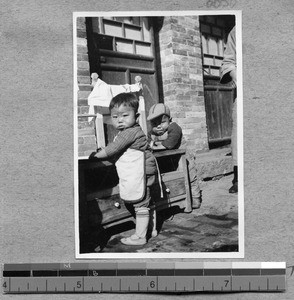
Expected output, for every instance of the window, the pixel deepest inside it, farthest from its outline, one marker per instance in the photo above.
(212, 37)
(124, 34)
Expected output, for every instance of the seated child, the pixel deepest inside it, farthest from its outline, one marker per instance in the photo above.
(134, 161)
(166, 134)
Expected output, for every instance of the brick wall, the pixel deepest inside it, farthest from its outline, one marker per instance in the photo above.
(181, 66)
(86, 133)
(181, 63)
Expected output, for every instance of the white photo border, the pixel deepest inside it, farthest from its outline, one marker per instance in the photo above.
(175, 255)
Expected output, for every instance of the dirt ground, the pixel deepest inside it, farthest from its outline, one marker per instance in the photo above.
(211, 228)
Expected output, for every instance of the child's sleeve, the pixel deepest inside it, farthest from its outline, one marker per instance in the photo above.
(123, 140)
(174, 138)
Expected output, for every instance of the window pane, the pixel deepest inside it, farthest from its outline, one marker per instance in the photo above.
(212, 46)
(133, 33)
(216, 31)
(206, 71)
(208, 61)
(215, 72)
(113, 29)
(218, 62)
(124, 46)
(146, 30)
(221, 48)
(205, 28)
(143, 49)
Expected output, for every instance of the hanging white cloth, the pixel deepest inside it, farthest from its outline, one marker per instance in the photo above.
(102, 93)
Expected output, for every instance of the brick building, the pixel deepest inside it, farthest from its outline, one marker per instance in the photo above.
(178, 58)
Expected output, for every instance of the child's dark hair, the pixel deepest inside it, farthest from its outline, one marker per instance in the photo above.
(127, 99)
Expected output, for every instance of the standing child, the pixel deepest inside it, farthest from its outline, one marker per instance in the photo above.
(134, 161)
(166, 134)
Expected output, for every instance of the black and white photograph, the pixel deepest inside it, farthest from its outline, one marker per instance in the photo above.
(158, 135)
(147, 149)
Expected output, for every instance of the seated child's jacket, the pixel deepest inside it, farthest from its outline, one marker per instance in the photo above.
(165, 134)
(171, 139)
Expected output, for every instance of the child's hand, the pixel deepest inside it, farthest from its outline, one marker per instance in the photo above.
(158, 146)
(99, 155)
(92, 156)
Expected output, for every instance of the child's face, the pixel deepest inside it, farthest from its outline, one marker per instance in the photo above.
(123, 117)
(160, 124)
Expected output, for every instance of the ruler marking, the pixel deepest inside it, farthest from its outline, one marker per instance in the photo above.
(23, 285)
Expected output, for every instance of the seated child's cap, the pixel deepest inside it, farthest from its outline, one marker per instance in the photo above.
(157, 110)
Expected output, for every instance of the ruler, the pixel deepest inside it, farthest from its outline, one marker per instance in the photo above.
(153, 277)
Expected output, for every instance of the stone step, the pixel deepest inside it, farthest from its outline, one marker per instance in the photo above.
(214, 163)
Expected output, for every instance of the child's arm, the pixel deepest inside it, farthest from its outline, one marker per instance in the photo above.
(117, 147)
(157, 146)
(174, 138)
(100, 155)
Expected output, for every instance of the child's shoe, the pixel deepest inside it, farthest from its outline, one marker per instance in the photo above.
(134, 240)
(139, 237)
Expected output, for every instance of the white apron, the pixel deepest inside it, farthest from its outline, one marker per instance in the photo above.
(131, 172)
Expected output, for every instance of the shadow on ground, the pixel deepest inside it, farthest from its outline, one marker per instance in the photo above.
(212, 228)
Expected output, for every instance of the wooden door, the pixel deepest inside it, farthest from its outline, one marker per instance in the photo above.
(121, 48)
(218, 97)
(218, 107)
